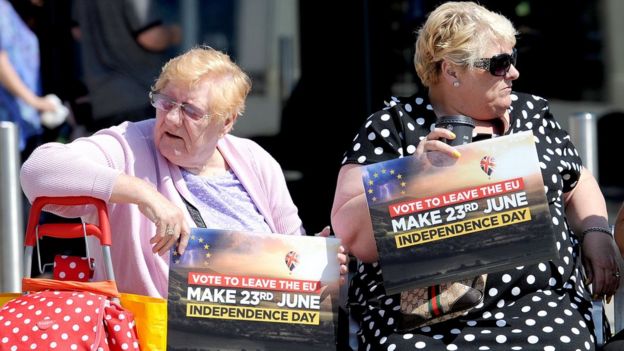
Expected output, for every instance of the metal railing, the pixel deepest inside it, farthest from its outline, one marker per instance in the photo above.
(11, 218)
(584, 135)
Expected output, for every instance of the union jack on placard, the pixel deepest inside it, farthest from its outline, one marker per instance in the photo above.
(488, 163)
(291, 260)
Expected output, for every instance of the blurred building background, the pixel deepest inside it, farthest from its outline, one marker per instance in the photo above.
(319, 68)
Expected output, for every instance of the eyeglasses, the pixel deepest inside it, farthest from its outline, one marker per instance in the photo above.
(499, 64)
(166, 104)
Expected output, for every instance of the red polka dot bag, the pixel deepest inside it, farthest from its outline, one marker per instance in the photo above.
(66, 314)
(73, 268)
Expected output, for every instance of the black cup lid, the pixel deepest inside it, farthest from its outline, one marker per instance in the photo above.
(456, 119)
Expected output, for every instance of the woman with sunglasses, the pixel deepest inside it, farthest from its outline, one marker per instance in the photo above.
(466, 59)
(161, 176)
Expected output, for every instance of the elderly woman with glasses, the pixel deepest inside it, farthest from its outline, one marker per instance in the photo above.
(465, 57)
(158, 175)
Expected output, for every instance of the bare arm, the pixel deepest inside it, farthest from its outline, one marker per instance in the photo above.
(586, 208)
(585, 205)
(14, 84)
(350, 217)
(160, 37)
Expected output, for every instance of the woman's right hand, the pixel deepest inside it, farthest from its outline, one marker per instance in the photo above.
(169, 219)
(432, 142)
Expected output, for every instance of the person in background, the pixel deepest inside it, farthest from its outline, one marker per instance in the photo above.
(465, 57)
(149, 170)
(20, 100)
(123, 45)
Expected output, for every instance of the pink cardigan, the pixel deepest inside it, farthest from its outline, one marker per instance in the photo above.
(90, 166)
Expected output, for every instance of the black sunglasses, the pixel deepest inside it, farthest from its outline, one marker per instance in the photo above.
(498, 65)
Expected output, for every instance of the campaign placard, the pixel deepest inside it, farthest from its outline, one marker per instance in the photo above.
(235, 290)
(438, 219)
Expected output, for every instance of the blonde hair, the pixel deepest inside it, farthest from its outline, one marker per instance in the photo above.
(460, 32)
(229, 84)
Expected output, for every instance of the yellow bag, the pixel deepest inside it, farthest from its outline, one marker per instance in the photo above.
(6, 297)
(150, 315)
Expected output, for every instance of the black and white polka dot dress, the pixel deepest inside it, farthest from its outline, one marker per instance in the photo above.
(538, 307)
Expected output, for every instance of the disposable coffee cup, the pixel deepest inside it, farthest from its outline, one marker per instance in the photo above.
(462, 126)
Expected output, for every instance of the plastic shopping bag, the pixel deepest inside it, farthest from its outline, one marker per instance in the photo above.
(150, 315)
(6, 297)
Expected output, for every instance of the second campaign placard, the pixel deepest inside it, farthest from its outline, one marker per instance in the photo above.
(438, 219)
(234, 290)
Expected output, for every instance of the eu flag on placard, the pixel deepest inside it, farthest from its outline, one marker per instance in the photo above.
(384, 184)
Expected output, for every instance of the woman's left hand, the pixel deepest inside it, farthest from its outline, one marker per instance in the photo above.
(343, 258)
(602, 262)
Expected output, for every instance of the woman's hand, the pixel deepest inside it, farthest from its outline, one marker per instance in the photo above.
(602, 263)
(343, 258)
(169, 219)
(433, 143)
(170, 224)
